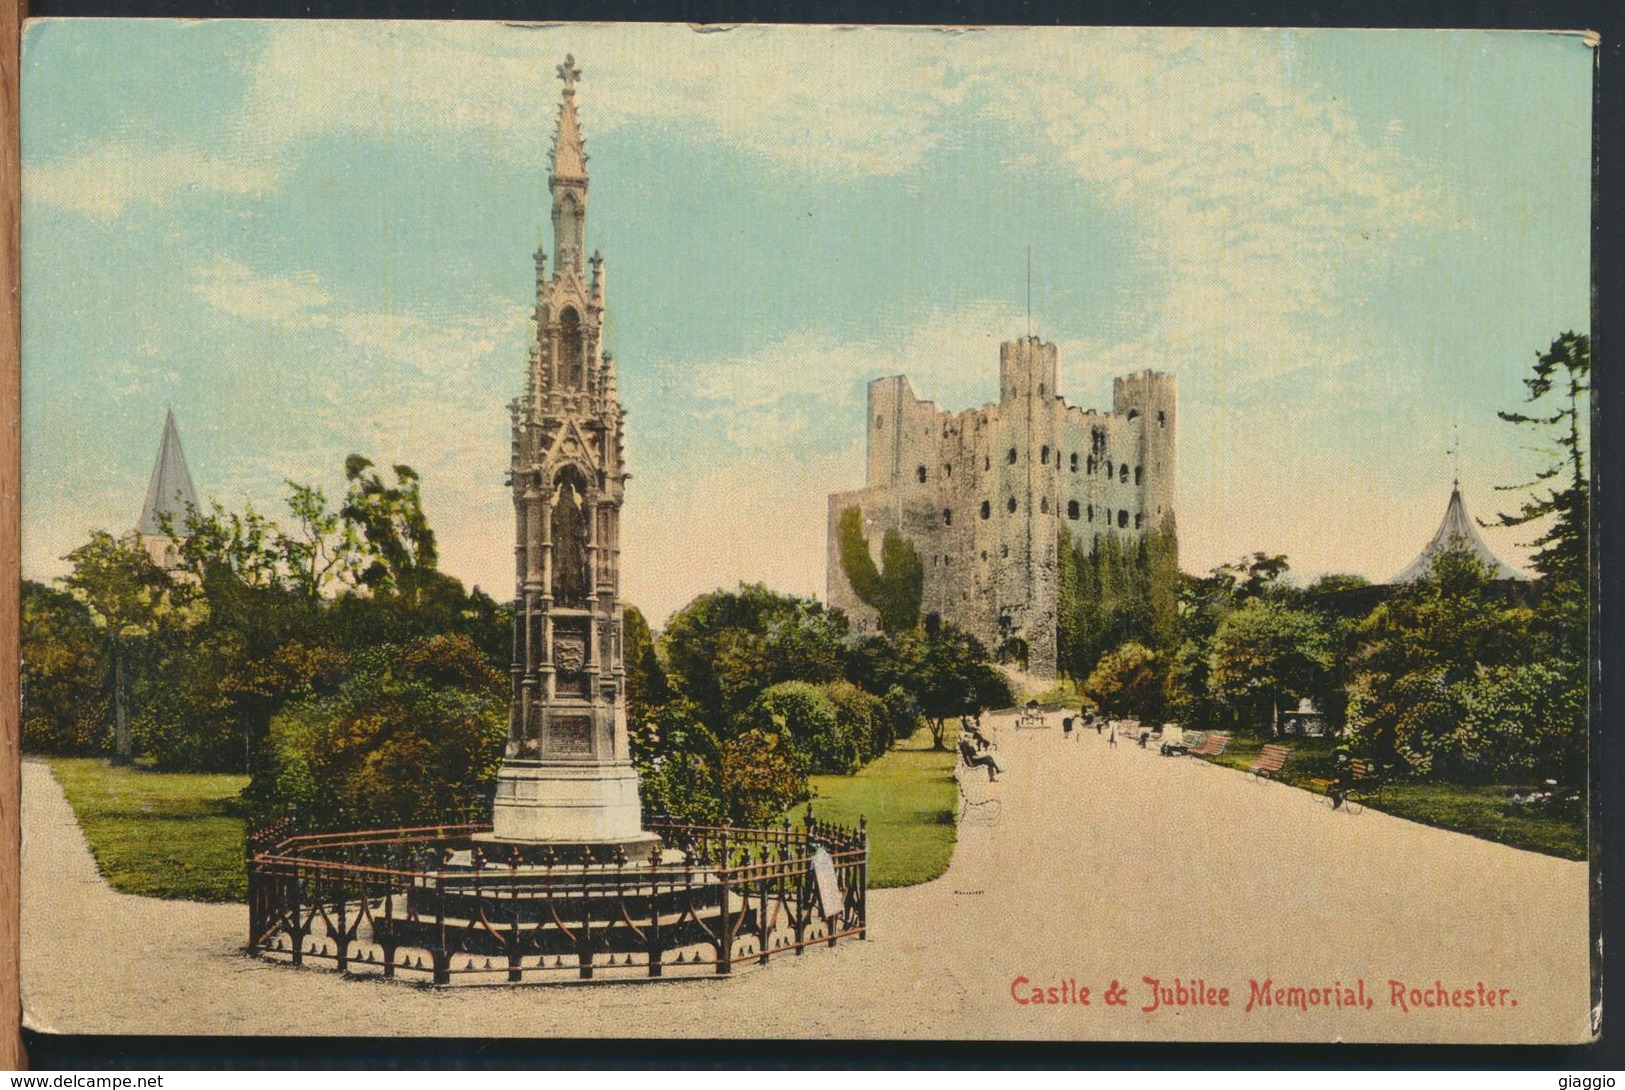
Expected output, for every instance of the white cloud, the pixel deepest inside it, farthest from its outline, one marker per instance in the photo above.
(107, 178)
(233, 287)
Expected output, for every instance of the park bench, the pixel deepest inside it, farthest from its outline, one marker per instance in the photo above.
(1269, 762)
(983, 810)
(1181, 742)
(972, 759)
(1212, 746)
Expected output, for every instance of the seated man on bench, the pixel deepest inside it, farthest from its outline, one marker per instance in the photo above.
(983, 759)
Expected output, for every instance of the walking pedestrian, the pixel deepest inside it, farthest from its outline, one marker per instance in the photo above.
(1066, 728)
(1111, 739)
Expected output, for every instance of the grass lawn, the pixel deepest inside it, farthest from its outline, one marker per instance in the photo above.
(909, 798)
(175, 835)
(1477, 811)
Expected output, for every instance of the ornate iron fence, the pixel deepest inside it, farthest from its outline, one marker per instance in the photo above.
(446, 904)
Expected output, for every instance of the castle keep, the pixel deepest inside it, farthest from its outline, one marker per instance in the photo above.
(982, 494)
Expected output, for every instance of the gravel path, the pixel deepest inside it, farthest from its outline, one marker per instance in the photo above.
(1105, 864)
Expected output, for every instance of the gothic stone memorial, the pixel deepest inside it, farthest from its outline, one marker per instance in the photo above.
(567, 879)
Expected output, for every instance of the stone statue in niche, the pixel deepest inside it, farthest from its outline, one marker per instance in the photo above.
(572, 579)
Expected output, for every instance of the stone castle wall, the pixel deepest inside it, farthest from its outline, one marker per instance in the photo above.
(982, 493)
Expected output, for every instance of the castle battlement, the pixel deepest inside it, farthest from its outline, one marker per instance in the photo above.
(982, 493)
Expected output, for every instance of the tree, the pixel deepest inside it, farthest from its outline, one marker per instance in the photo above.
(722, 649)
(896, 588)
(1423, 656)
(129, 596)
(1564, 495)
(390, 519)
(948, 673)
(646, 688)
(413, 736)
(1128, 682)
(64, 698)
(326, 550)
(1265, 652)
(1118, 591)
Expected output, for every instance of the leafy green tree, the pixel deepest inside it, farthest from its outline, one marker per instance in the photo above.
(646, 688)
(325, 550)
(948, 674)
(1128, 681)
(414, 735)
(390, 519)
(725, 647)
(679, 763)
(1422, 655)
(1117, 591)
(896, 588)
(1266, 652)
(64, 692)
(129, 597)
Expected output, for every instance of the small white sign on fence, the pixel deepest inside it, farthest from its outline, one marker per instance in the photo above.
(829, 888)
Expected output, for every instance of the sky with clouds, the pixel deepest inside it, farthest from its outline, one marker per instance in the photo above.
(315, 238)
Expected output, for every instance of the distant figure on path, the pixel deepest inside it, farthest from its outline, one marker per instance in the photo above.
(1066, 728)
(1111, 739)
(1097, 726)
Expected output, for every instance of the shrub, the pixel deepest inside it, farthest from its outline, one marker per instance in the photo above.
(760, 778)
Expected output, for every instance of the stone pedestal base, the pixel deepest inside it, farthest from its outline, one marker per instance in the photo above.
(568, 804)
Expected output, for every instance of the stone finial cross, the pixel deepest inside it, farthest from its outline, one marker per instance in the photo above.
(569, 73)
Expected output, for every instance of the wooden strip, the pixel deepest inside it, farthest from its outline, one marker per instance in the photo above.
(12, 1056)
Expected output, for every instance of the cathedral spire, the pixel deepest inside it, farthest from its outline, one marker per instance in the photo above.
(169, 492)
(568, 180)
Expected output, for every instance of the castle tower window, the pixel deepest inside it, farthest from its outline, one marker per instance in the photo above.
(1011, 457)
(1011, 506)
(984, 554)
(1122, 473)
(1162, 419)
(946, 560)
(920, 474)
(1043, 505)
(1134, 414)
(1040, 389)
(987, 463)
(1139, 521)
(1043, 456)
(1004, 552)
(880, 422)
(1072, 510)
(987, 509)
(1089, 467)
(948, 469)
(1122, 520)
(1139, 474)
(1108, 469)
(947, 517)
(1091, 512)
(570, 349)
(1074, 461)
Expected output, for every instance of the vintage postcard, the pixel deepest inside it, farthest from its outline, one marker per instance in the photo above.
(662, 531)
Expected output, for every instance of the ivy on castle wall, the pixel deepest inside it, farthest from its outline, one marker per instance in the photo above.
(1114, 592)
(896, 588)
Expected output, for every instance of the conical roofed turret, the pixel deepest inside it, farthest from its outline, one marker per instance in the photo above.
(1456, 526)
